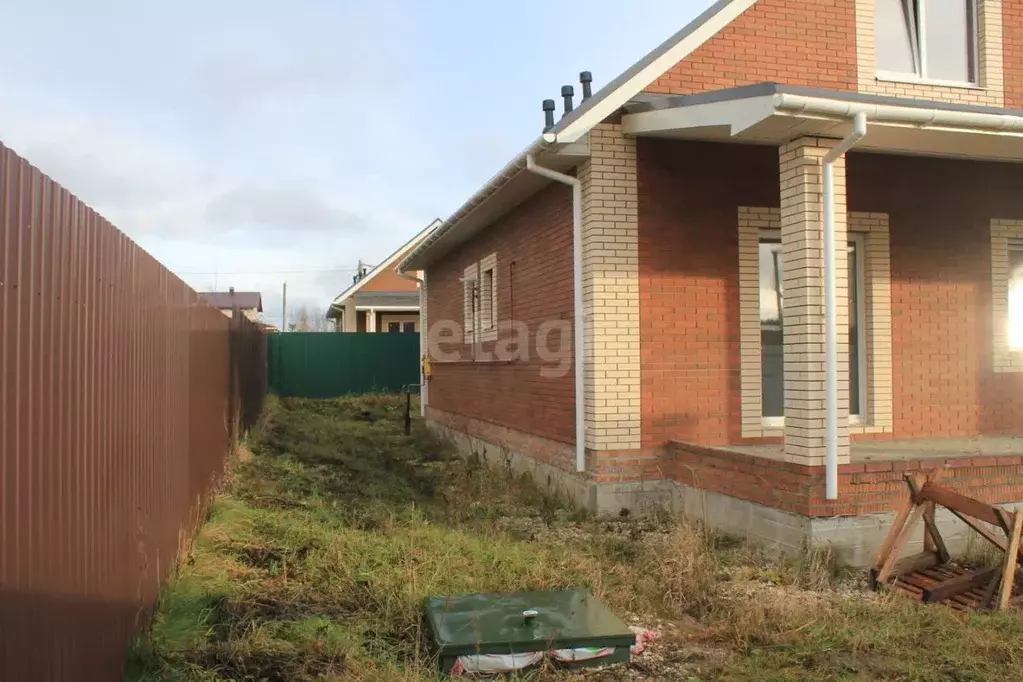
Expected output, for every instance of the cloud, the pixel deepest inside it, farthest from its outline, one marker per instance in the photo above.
(279, 208)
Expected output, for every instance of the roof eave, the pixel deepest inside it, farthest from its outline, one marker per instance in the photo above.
(604, 103)
(418, 259)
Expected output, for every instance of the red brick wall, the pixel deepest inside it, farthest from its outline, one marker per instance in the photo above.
(940, 213)
(1012, 44)
(862, 488)
(533, 244)
(798, 42)
(388, 280)
(689, 282)
(940, 253)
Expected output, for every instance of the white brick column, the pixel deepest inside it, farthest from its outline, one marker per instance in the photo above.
(611, 290)
(351, 320)
(802, 237)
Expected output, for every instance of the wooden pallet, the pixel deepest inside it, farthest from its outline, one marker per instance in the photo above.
(932, 576)
(950, 584)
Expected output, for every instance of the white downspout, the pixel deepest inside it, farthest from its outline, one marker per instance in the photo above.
(831, 308)
(577, 286)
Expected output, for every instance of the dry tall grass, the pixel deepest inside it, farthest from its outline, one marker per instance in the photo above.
(315, 562)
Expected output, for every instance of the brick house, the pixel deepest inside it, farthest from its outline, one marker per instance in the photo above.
(699, 189)
(248, 303)
(381, 299)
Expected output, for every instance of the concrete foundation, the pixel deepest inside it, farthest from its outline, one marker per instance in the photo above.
(854, 539)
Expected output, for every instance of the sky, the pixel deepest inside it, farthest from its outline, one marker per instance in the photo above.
(247, 143)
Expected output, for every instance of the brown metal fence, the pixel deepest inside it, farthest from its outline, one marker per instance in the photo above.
(120, 394)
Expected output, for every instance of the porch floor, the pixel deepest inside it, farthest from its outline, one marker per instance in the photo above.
(907, 449)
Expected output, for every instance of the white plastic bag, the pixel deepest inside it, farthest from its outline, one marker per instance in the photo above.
(492, 664)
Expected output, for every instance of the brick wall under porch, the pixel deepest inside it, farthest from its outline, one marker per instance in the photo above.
(774, 504)
(863, 487)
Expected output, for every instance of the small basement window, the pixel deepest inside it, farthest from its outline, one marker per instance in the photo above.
(931, 40)
(408, 326)
(393, 327)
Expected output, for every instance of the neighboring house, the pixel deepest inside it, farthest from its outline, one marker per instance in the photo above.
(250, 303)
(381, 300)
(703, 197)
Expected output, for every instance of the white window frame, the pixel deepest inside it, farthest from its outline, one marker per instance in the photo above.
(1015, 245)
(775, 236)
(918, 39)
(470, 305)
(861, 416)
(860, 240)
(1006, 237)
(488, 308)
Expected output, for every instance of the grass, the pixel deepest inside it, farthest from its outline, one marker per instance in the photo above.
(319, 551)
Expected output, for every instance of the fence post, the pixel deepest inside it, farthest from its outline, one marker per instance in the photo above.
(408, 410)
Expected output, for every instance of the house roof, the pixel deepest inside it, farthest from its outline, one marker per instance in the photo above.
(655, 102)
(227, 299)
(572, 127)
(333, 310)
(772, 113)
(394, 299)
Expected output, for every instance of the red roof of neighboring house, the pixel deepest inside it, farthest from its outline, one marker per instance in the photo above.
(383, 277)
(227, 299)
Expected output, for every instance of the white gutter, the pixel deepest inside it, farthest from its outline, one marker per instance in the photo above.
(423, 337)
(513, 168)
(889, 113)
(831, 308)
(577, 286)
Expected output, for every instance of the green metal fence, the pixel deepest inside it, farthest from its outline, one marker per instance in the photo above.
(327, 365)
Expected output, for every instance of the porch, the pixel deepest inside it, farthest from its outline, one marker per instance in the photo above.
(909, 332)
(751, 490)
(924, 452)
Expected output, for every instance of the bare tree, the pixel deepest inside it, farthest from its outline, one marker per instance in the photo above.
(308, 319)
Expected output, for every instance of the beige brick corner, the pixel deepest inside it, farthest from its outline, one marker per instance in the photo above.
(803, 281)
(611, 290)
(752, 221)
(877, 292)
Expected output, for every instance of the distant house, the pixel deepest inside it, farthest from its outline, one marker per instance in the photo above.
(250, 303)
(379, 300)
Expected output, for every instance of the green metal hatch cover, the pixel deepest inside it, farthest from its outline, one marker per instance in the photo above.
(523, 622)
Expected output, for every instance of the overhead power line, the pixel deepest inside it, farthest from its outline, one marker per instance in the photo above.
(342, 268)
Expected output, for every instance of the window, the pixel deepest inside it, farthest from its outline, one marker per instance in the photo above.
(933, 40)
(470, 302)
(772, 347)
(489, 315)
(772, 355)
(1015, 295)
(488, 291)
(408, 326)
(393, 327)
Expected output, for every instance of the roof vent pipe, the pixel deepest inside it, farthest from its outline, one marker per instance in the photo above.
(567, 91)
(548, 114)
(586, 78)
